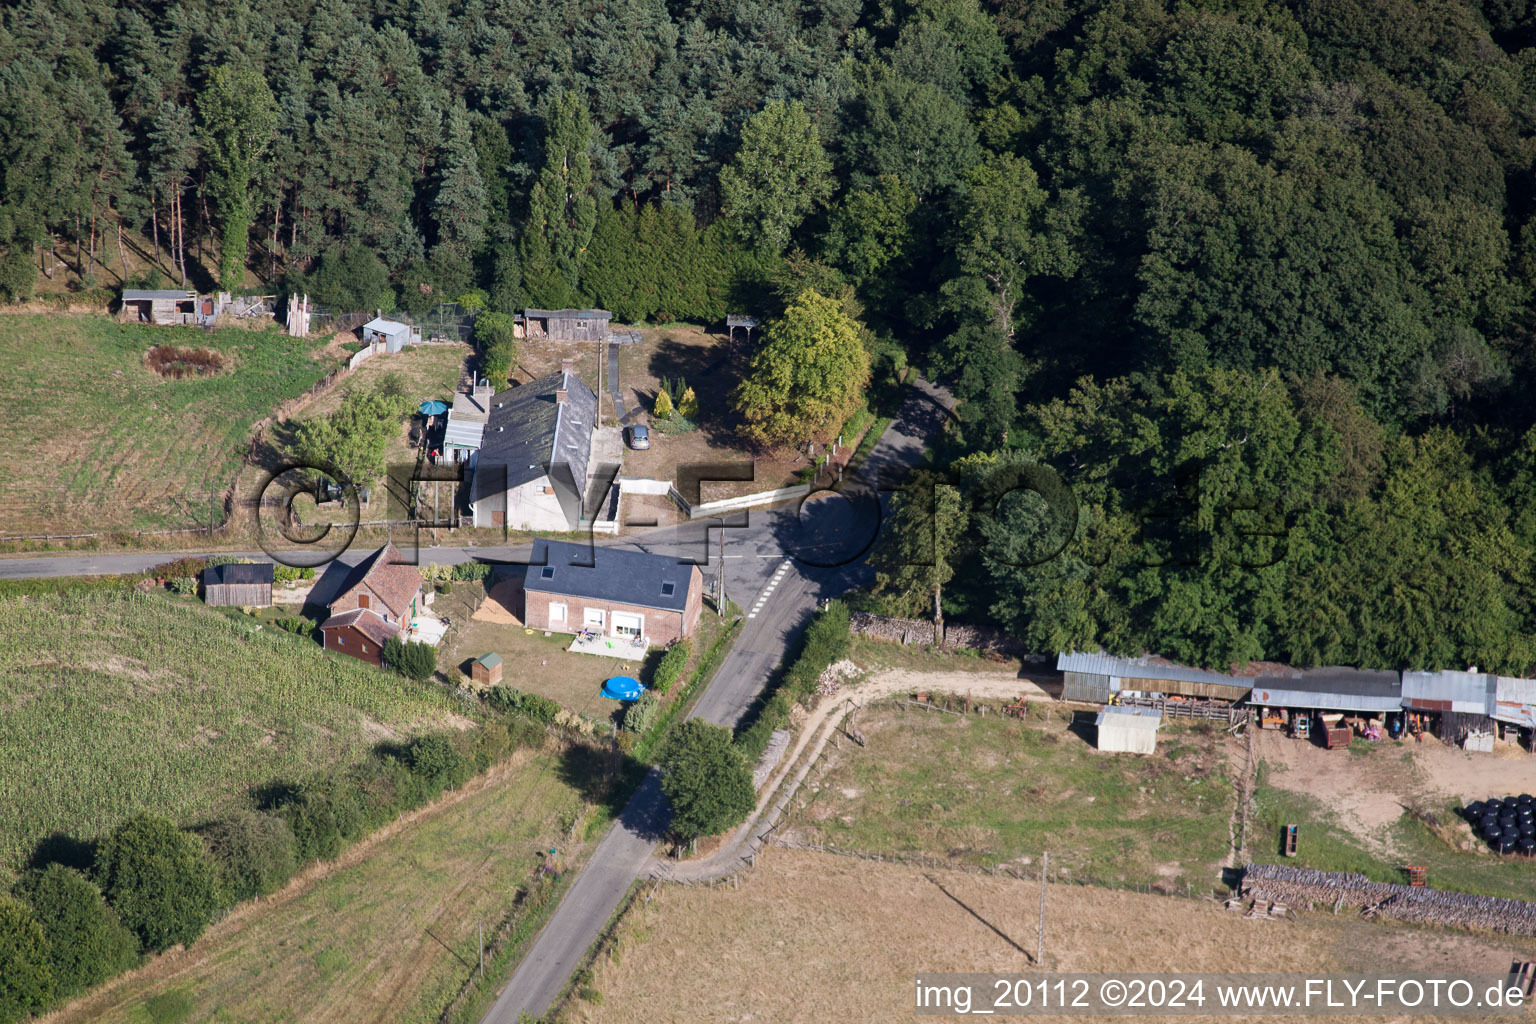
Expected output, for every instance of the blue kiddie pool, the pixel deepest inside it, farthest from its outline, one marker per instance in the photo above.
(622, 688)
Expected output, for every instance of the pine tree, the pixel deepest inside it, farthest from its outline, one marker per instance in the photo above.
(662, 409)
(459, 207)
(561, 210)
(173, 148)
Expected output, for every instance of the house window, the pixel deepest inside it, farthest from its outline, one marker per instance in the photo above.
(362, 601)
(546, 490)
(668, 589)
(341, 641)
(593, 618)
(628, 625)
(365, 648)
(557, 614)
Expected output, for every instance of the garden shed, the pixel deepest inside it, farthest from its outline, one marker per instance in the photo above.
(238, 584)
(486, 669)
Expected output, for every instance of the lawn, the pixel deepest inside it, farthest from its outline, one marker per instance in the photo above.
(390, 934)
(1442, 842)
(99, 443)
(990, 791)
(114, 702)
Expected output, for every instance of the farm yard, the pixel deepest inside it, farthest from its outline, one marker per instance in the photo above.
(387, 933)
(114, 702)
(99, 442)
(762, 951)
(996, 791)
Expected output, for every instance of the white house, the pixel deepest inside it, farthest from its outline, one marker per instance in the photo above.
(530, 472)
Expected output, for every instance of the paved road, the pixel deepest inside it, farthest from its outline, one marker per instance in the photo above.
(781, 603)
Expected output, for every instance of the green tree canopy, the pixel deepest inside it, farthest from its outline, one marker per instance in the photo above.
(160, 881)
(87, 944)
(26, 983)
(706, 780)
(808, 377)
(562, 212)
(239, 119)
(780, 174)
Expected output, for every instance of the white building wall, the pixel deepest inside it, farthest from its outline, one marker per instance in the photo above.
(527, 508)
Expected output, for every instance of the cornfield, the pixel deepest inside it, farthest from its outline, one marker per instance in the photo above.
(114, 702)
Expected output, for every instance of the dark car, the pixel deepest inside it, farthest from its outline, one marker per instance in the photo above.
(638, 436)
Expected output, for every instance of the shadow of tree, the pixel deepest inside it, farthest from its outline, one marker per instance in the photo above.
(62, 848)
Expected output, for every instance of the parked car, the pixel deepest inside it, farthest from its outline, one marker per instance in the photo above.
(638, 436)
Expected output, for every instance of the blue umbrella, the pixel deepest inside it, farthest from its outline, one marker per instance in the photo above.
(433, 408)
(622, 688)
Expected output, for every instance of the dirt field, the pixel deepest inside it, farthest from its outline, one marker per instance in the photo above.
(386, 934)
(815, 937)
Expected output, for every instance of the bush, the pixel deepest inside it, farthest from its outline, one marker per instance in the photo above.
(413, 660)
(297, 624)
(827, 640)
(184, 584)
(707, 781)
(445, 588)
(292, 573)
(509, 700)
(352, 278)
(471, 570)
(311, 817)
(87, 942)
(160, 881)
(434, 760)
(670, 667)
(26, 983)
(641, 715)
(255, 853)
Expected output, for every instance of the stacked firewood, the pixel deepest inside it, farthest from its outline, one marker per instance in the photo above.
(1305, 887)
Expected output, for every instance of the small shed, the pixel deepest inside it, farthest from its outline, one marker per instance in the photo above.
(238, 584)
(393, 334)
(1128, 730)
(166, 306)
(486, 669)
(567, 324)
(1458, 704)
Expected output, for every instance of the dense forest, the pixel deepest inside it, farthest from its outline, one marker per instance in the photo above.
(1213, 262)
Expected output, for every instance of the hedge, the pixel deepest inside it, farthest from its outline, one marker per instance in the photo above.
(510, 700)
(826, 641)
(160, 881)
(670, 667)
(255, 853)
(87, 943)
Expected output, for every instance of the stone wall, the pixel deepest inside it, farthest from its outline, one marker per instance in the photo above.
(919, 633)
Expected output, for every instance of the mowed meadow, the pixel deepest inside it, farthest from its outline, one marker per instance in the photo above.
(96, 441)
(114, 702)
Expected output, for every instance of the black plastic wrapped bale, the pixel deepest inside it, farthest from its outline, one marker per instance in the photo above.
(1506, 844)
(1473, 810)
(1508, 820)
(1528, 845)
(1492, 830)
(1526, 798)
(1527, 827)
(1509, 803)
(1525, 812)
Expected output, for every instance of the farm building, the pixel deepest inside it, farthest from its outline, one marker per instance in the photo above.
(1128, 730)
(486, 669)
(172, 307)
(238, 584)
(392, 334)
(626, 595)
(377, 600)
(1330, 689)
(1457, 706)
(465, 432)
(1094, 677)
(1514, 709)
(564, 324)
(531, 468)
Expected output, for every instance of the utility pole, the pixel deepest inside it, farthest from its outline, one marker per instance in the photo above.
(482, 949)
(1045, 866)
(720, 575)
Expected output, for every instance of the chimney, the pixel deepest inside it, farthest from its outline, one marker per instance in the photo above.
(560, 396)
(566, 365)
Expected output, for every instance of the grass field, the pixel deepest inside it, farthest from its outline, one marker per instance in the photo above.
(114, 702)
(389, 934)
(814, 937)
(990, 791)
(97, 442)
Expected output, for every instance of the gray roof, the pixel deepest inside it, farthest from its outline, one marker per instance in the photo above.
(1130, 717)
(384, 325)
(238, 572)
(1331, 689)
(1144, 667)
(569, 314)
(140, 294)
(528, 432)
(1467, 692)
(615, 574)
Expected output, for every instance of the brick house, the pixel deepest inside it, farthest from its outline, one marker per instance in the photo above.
(376, 602)
(617, 592)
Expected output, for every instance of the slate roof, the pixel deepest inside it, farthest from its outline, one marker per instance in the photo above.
(238, 572)
(368, 623)
(617, 574)
(528, 432)
(395, 584)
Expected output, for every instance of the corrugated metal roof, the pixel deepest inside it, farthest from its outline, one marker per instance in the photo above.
(1513, 690)
(388, 327)
(142, 294)
(1469, 693)
(1331, 689)
(1130, 718)
(464, 435)
(1145, 667)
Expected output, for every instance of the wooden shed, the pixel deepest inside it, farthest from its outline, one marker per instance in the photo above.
(566, 324)
(486, 669)
(239, 584)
